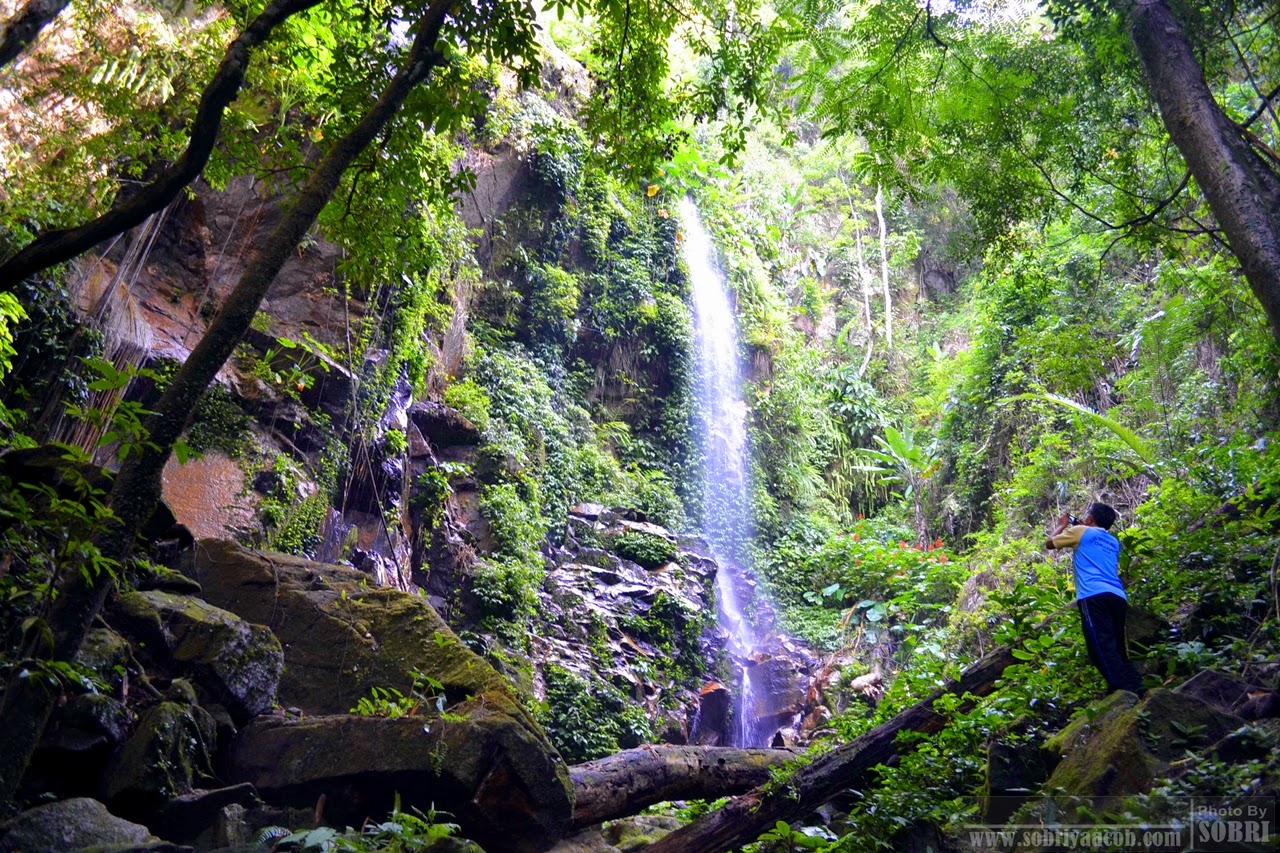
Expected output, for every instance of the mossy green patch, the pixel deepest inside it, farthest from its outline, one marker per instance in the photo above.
(1121, 746)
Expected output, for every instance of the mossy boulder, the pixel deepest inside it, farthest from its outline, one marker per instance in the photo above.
(1121, 745)
(106, 654)
(233, 662)
(68, 825)
(481, 765)
(90, 721)
(169, 755)
(341, 638)
(620, 836)
(636, 833)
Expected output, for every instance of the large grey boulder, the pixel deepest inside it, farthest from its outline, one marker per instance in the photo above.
(1126, 745)
(481, 765)
(68, 825)
(488, 758)
(169, 755)
(233, 662)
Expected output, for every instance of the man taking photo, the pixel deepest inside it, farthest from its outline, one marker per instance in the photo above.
(1099, 592)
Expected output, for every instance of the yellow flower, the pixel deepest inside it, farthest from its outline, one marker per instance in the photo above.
(652, 190)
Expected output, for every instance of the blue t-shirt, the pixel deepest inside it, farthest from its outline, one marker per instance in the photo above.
(1096, 561)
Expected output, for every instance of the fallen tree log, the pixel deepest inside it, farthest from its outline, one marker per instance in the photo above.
(743, 819)
(623, 784)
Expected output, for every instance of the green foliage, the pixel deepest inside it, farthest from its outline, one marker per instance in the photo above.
(590, 719)
(1135, 442)
(119, 421)
(470, 399)
(395, 442)
(510, 510)
(135, 79)
(556, 144)
(651, 492)
(432, 488)
(871, 590)
(292, 511)
(218, 424)
(904, 461)
(11, 314)
(1210, 537)
(48, 529)
(401, 832)
(426, 692)
(507, 585)
(552, 304)
(50, 343)
(646, 549)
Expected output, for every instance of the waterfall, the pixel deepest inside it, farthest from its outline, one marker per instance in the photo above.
(726, 508)
(102, 293)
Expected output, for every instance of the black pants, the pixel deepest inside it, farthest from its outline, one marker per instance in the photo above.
(1102, 617)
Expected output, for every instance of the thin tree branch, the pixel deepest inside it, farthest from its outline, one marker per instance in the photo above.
(928, 27)
(21, 30)
(1248, 73)
(1263, 108)
(54, 247)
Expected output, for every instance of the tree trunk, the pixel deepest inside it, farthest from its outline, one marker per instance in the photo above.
(22, 29)
(864, 278)
(623, 784)
(1242, 189)
(884, 270)
(136, 489)
(63, 244)
(743, 819)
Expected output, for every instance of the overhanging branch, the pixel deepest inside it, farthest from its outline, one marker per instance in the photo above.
(21, 30)
(54, 247)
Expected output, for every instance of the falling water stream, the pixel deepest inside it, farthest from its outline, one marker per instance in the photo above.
(726, 505)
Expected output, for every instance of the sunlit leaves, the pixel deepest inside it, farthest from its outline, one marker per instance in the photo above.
(1023, 122)
(99, 100)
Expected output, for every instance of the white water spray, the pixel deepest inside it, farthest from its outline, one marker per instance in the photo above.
(726, 507)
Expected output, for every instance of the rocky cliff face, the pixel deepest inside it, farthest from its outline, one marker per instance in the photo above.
(626, 634)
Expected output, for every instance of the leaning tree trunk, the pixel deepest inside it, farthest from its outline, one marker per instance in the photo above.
(136, 489)
(1242, 189)
(21, 30)
(626, 782)
(743, 819)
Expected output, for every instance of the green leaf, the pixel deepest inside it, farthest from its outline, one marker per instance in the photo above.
(1128, 436)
